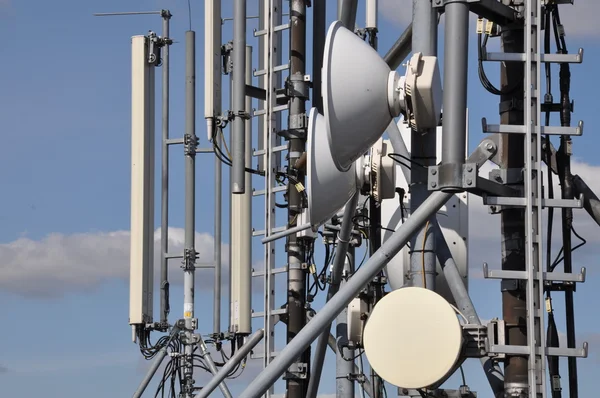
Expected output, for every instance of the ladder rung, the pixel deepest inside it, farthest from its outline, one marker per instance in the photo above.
(278, 68)
(261, 152)
(518, 129)
(522, 275)
(520, 202)
(576, 58)
(273, 271)
(279, 311)
(550, 351)
(273, 230)
(273, 190)
(277, 28)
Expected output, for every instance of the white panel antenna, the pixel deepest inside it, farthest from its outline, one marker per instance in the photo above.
(212, 64)
(453, 219)
(141, 283)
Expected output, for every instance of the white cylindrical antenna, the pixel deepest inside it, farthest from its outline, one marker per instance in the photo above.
(371, 14)
(212, 64)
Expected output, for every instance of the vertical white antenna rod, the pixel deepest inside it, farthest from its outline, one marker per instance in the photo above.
(142, 184)
(241, 235)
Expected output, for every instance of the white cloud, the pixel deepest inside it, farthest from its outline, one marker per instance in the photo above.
(61, 263)
(579, 19)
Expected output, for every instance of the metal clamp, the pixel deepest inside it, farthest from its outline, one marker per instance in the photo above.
(297, 86)
(189, 259)
(190, 143)
(475, 336)
(297, 371)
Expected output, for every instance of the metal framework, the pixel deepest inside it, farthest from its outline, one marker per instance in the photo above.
(519, 145)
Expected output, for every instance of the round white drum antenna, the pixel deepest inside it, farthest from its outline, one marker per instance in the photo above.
(413, 338)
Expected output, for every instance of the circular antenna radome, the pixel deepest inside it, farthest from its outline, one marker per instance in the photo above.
(327, 187)
(413, 338)
(355, 90)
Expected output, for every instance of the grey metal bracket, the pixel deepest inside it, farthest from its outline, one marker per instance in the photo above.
(520, 202)
(190, 142)
(551, 163)
(575, 58)
(297, 86)
(522, 275)
(297, 371)
(492, 10)
(497, 333)
(519, 129)
(189, 259)
(255, 92)
(474, 337)
(517, 105)
(550, 351)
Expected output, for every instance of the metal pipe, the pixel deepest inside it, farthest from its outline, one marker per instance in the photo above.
(217, 245)
(465, 304)
(297, 384)
(343, 297)
(287, 232)
(423, 151)
(456, 45)
(347, 13)
(400, 50)
(164, 204)
(240, 354)
(366, 385)
(238, 138)
(337, 269)
(189, 256)
(213, 369)
(319, 34)
(591, 203)
(344, 361)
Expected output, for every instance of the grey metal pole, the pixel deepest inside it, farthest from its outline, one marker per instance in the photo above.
(238, 139)
(400, 50)
(465, 304)
(189, 256)
(423, 151)
(297, 380)
(211, 366)
(366, 385)
(347, 13)
(344, 361)
(343, 297)
(164, 204)
(336, 276)
(151, 372)
(456, 57)
(240, 354)
(319, 33)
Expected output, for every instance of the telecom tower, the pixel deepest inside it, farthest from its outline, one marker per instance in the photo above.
(350, 152)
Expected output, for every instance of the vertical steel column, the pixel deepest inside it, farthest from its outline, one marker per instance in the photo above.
(297, 384)
(164, 204)
(511, 154)
(423, 151)
(319, 33)
(238, 139)
(190, 255)
(456, 57)
(344, 363)
(347, 13)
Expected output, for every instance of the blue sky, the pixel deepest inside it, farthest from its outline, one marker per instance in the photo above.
(64, 112)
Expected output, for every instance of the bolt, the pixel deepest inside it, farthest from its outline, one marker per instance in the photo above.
(433, 185)
(433, 172)
(489, 146)
(469, 182)
(469, 168)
